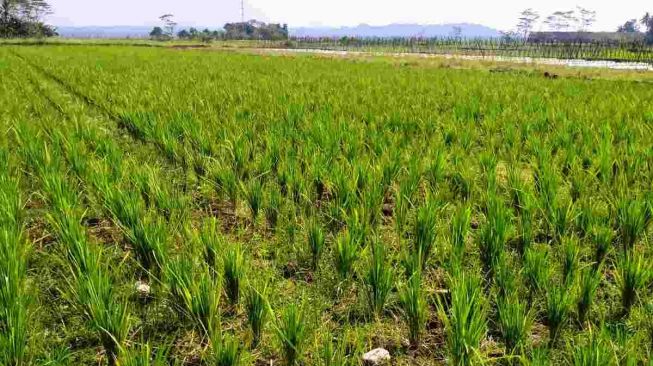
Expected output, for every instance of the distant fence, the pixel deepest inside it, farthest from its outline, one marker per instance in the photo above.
(609, 50)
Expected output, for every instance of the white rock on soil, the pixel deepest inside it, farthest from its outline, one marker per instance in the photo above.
(377, 356)
(142, 288)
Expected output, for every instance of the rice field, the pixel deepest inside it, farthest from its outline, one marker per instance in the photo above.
(189, 207)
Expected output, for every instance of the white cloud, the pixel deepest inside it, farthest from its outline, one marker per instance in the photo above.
(500, 14)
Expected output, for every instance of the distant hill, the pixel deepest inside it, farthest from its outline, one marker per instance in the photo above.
(118, 31)
(399, 30)
(363, 30)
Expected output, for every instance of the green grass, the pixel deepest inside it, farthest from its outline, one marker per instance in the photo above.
(161, 205)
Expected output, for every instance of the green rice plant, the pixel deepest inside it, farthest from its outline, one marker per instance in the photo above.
(107, 314)
(257, 309)
(272, 207)
(557, 311)
(292, 332)
(68, 229)
(517, 187)
(239, 150)
(212, 243)
(547, 185)
(124, 206)
(400, 213)
(465, 321)
(589, 283)
(150, 241)
(233, 264)
(378, 279)
(346, 253)
(226, 183)
(594, 351)
(144, 355)
(494, 234)
(425, 231)
(602, 238)
(435, 172)
(633, 275)
(15, 302)
(563, 215)
(226, 349)
(462, 182)
(488, 163)
(254, 196)
(505, 278)
(540, 356)
(333, 353)
(526, 224)
(315, 243)
(460, 224)
(631, 222)
(587, 217)
(411, 261)
(194, 292)
(570, 260)
(414, 307)
(536, 271)
(372, 204)
(515, 321)
(57, 356)
(60, 195)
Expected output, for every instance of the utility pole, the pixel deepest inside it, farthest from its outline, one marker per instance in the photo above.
(242, 11)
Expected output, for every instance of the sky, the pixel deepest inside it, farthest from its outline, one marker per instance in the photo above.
(499, 14)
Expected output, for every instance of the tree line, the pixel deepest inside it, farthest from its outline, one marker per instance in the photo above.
(577, 20)
(252, 29)
(23, 18)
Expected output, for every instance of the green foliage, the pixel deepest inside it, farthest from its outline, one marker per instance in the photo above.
(460, 224)
(515, 321)
(557, 311)
(495, 233)
(257, 308)
(424, 231)
(589, 283)
(536, 270)
(378, 280)
(465, 322)
(194, 292)
(152, 173)
(346, 253)
(233, 264)
(144, 355)
(315, 242)
(225, 349)
(633, 275)
(254, 196)
(415, 309)
(631, 222)
(292, 332)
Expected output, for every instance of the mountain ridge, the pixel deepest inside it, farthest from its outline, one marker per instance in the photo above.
(468, 30)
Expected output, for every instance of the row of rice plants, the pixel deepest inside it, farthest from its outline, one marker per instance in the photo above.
(90, 285)
(16, 300)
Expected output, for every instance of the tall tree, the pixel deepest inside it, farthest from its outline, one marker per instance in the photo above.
(629, 27)
(586, 18)
(23, 18)
(168, 24)
(527, 20)
(561, 21)
(647, 22)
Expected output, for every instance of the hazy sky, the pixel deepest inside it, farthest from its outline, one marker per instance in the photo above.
(500, 14)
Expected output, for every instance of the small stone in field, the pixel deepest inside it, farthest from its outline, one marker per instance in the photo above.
(142, 288)
(377, 356)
